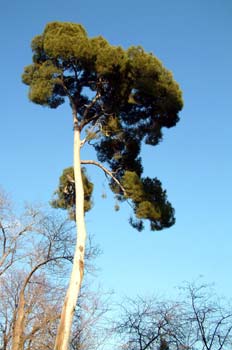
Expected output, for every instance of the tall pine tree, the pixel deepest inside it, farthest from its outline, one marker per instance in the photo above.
(119, 99)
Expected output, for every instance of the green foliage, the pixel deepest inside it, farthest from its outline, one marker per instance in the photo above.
(65, 195)
(121, 98)
(149, 201)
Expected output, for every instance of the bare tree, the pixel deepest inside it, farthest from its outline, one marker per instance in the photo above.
(144, 322)
(197, 321)
(208, 317)
(90, 328)
(34, 282)
(36, 318)
(47, 247)
(13, 231)
(41, 307)
(8, 302)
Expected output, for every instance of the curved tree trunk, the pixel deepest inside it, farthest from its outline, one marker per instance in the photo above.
(19, 326)
(64, 329)
(18, 334)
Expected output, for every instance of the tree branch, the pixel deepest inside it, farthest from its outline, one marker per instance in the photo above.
(85, 121)
(4, 239)
(106, 171)
(7, 251)
(35, 268)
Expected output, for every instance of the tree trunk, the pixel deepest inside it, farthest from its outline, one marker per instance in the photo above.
(64, 329)
(18, 327)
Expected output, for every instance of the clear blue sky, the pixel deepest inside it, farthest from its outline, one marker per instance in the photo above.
(193, 39)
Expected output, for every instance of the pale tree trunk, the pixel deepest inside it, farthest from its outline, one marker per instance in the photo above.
(19, 325)
(64, 329)
(19, 320)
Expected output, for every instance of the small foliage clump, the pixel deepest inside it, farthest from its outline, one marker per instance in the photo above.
(65, 195)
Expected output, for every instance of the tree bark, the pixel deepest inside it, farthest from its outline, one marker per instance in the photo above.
(64, 329)
(19, 326)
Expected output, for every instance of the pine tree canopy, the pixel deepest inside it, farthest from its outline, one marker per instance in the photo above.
(121, 98)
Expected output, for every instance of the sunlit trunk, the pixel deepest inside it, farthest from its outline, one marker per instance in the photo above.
(19, 324)
(64, 329)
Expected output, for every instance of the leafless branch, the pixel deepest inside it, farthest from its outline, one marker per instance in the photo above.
(106, 171)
